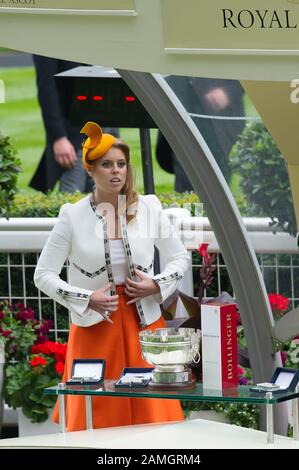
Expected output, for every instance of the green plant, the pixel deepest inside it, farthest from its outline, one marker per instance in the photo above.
(48, 205)
(25, 381)
(189, 406)
(32, 362)
(42, 205)
(240, 414)
(19, 330)
(291, 356)
(9, 168)
(188, 200)
(265, 180)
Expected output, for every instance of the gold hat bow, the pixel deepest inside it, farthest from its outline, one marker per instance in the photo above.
(96, 145)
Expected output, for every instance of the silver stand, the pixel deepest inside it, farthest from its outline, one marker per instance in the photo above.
(61, 407)
(269, 413)
(88, 409)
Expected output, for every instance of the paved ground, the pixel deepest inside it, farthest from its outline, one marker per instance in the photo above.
(15, 59)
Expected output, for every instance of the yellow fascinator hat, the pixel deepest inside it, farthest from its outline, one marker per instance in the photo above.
(96, 145)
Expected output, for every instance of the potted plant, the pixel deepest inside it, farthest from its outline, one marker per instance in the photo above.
(26, 380)
(33, 362)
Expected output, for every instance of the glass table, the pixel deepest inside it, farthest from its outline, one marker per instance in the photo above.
(241, 394)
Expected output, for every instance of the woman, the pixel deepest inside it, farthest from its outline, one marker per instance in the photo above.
(109, 239)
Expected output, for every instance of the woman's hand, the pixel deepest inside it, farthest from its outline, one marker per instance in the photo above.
(99, 301)
(140, 289)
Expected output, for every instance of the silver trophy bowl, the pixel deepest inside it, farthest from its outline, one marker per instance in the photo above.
(170, 351)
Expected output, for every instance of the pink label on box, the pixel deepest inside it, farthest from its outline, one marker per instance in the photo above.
(229, 346)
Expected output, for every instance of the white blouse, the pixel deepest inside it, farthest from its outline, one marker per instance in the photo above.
(118, 261)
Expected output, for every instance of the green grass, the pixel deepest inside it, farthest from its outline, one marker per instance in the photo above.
(20, 118)
(4, 49)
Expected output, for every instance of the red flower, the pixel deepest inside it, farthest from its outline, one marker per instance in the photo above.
(5, 333)
(19, 305)
(203, 251)
(241, 377)
(206, 271)
(25, 315)
(41, 339)
(45, 326)
(50, 348)
(41, 348)
(59, 367)
(38, 361)
(279, 303)
(60, 352)
(47, 348)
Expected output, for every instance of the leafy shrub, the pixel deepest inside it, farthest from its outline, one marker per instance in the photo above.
(32, 361)
(9, 168)
(25, 381)
(265, 181)
(48, 205)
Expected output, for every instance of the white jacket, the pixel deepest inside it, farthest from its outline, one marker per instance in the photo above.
(80, 234)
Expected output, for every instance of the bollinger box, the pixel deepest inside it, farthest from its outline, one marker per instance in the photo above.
(219, 345)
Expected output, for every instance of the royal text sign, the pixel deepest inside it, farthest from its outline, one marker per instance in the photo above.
(219, 25)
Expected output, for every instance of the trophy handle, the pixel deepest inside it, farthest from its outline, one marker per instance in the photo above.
(195, 356)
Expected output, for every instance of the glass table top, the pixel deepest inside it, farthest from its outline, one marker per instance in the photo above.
(241, 393)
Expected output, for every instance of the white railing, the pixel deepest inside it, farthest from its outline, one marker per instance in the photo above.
(22, 239)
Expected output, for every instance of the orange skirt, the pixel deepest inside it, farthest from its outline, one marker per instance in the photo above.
(119, 344)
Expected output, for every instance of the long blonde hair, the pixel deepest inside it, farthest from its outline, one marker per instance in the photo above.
(128, 189)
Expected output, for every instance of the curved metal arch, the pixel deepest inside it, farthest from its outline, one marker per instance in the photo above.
(209, 183)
